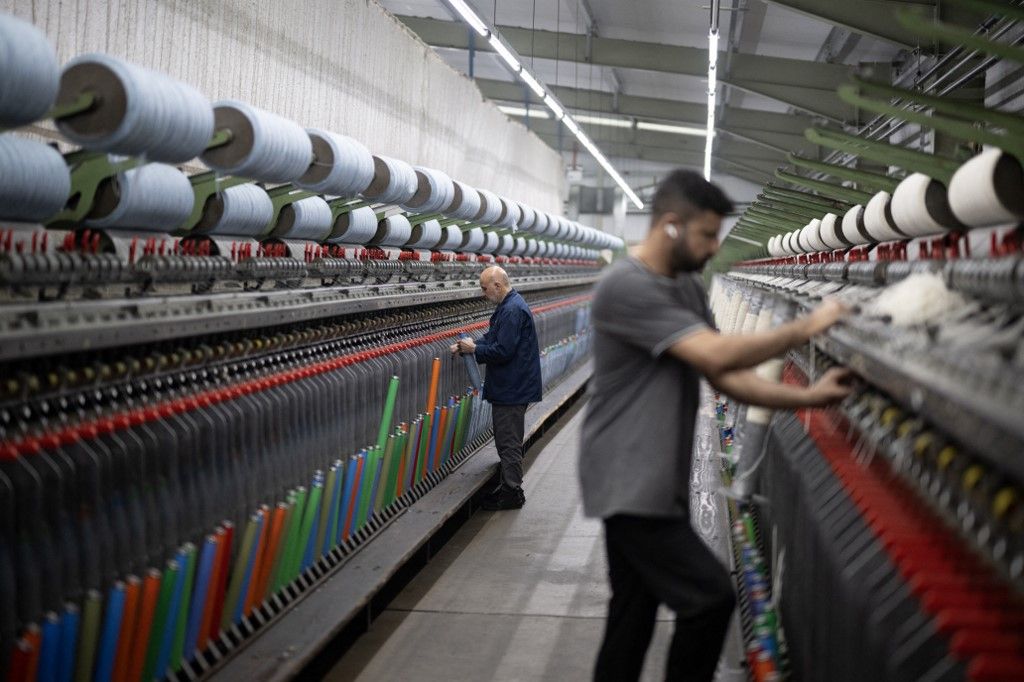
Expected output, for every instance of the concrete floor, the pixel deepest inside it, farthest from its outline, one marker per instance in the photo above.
(512, 596)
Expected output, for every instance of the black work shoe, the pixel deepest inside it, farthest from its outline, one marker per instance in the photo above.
(505, 499)
(492, 496)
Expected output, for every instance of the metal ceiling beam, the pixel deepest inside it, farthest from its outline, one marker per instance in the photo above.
(681, 157)
(777, 142)
(720, 166)
(669, 110)
(757, 179)
(817, 102)
(757, 173)
(841, 42)
(603, 136)
(809, 86)
(768, 121)
(876, 18)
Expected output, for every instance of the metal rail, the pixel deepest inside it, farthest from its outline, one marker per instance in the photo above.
(35, 330)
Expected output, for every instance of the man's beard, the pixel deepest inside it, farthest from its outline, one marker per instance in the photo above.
(683, 261)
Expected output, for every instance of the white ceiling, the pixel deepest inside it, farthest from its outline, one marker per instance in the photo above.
(769, 30)
(754, 101)
(664, 85)
(657, 21)
(785, 33)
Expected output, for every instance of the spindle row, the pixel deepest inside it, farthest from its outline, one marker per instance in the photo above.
(146, 519)
(134, 123)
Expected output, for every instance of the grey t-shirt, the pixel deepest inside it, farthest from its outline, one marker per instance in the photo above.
(638, 430)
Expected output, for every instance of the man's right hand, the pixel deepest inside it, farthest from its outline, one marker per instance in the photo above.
(824, 316)
(454, 348)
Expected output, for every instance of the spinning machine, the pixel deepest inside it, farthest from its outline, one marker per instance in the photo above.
(886, 536)
(217, 387)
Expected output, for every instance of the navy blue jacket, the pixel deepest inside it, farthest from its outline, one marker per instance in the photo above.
(511, 353)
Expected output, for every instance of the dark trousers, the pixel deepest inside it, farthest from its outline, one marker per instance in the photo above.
(509, 425)
(655, 561)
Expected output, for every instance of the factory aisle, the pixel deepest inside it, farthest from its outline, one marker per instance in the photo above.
(512, 596)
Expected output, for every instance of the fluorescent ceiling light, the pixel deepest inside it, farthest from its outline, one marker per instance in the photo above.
(532, 83)
(554, 106)
(512, 59)
(709, 143)
(470, 17)
(622, 183)
(608, 168)
(675, 130)
(520, 111)
(504, 52)
(712, 86)
(605, 121)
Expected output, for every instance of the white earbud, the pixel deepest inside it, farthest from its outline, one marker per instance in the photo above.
(671, 231)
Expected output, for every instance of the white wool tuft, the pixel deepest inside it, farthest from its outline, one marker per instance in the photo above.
(917, 299)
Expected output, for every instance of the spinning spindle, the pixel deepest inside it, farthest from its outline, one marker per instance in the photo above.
(34, 180)
(137, 111)
(244, 210)
(31, 76)
(342, 167)
(490, 208)
(426, 235)
(529, 218)
(465, 202)
(491, 243)
(151, 197)
(831, 234)
(506, 244)
(451, 238)
(878, 219)
(434, 191)
(308, 218)
(853, 228)
(472, 240)
(920, 207)
(988, 190)
(393, 231)
(394, 181)
(354, 227)
(262, 145)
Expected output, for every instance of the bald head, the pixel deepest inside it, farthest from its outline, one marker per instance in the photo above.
(495, 284)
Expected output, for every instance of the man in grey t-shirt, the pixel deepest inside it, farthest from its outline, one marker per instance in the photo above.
(654, 339)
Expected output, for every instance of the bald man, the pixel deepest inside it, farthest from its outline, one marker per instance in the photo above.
(512, 355)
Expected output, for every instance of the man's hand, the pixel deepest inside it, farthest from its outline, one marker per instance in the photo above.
(833, 386)
(454, 348)
(466, 345)
(824, 316)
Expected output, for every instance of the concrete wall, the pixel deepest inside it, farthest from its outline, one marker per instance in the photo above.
(342, 65)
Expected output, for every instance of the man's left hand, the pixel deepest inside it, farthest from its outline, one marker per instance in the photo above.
(467, 345)
(833, 386)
